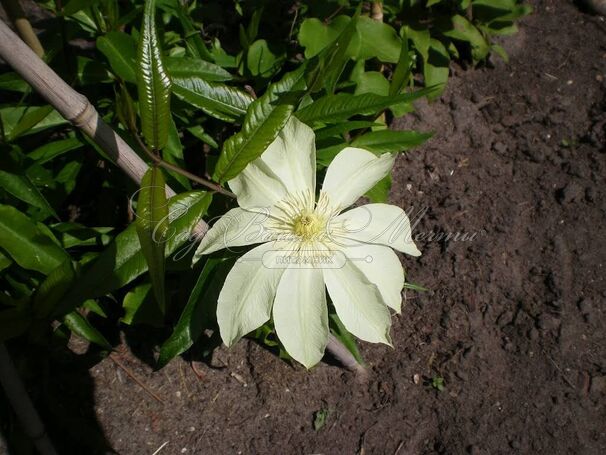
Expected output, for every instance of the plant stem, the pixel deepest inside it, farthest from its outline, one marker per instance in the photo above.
(22, 405)
(171, 167)
(342, 354)
(376, 11)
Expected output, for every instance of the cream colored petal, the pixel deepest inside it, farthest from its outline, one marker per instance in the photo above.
(381, 267)
(238, 227)
(381, 224)
(358, 303)
(247, 296)
(287, 166)
(301, 314)
(352, 173)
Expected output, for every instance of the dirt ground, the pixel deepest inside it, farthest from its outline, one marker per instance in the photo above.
(514, 321)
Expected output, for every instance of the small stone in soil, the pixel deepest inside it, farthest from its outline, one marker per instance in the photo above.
(546, 321)
(572, 192)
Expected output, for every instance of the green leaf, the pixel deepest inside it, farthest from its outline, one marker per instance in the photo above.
(372, 82)
(22, 188)
(261, 60)
(153, 82)
(265, 118)
(123, 261)
(199, 311)
(152, 227)
(339, 107)
(315, 35)
(183, 67)
(53, 288)
(73, 6)
(325, 155)
(14, 322)
(173, 153)
(343, 128)
(74, 234)
(401, 74)
(54, 149)
(436, 67)
(13, 82)
(22, 120)
(83, 328)
(500, 52)
(121, 51)
(421, 39)
(26, 243)
(380, 192)
(195, 44)
(139, 307)
(415, 287)
(5, 261)
(333, 59)
(388, 141)
(462, 29)
(320, 418)
(375, 40)
(91, 71)
(219, 100)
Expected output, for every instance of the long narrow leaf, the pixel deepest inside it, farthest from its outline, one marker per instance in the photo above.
(153, 82)
(219, 100)
(152, 227)
(53, 288)
(121, 51)
(264, 119)
(388, 141)
(339, 107)
(194, 67)
(22, 188)
(401, 74)
(83, 328)
(26, 243)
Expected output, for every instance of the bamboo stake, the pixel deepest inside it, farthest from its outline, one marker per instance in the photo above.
(17, 395)
(75, 108)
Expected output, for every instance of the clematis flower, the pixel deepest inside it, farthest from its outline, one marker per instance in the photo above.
(308, 246)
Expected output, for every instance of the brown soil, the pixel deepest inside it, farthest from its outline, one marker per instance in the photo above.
(514, 323)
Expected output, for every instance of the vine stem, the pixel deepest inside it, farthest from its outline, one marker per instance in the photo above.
(74, 107)
(171, 167)
(26, 413)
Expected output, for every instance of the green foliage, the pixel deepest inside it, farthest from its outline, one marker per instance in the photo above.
(208, 100)
(152, 227)
(265, 117)
(153, 82)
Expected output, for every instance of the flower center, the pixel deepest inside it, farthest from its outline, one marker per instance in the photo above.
(309, 225)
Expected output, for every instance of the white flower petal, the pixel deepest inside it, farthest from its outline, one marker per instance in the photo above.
(382, 224)
(352, 173)
(358, 303)
(287, 166)
(301, 314)
(381, 267)
(247, 296)
(238, 227)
